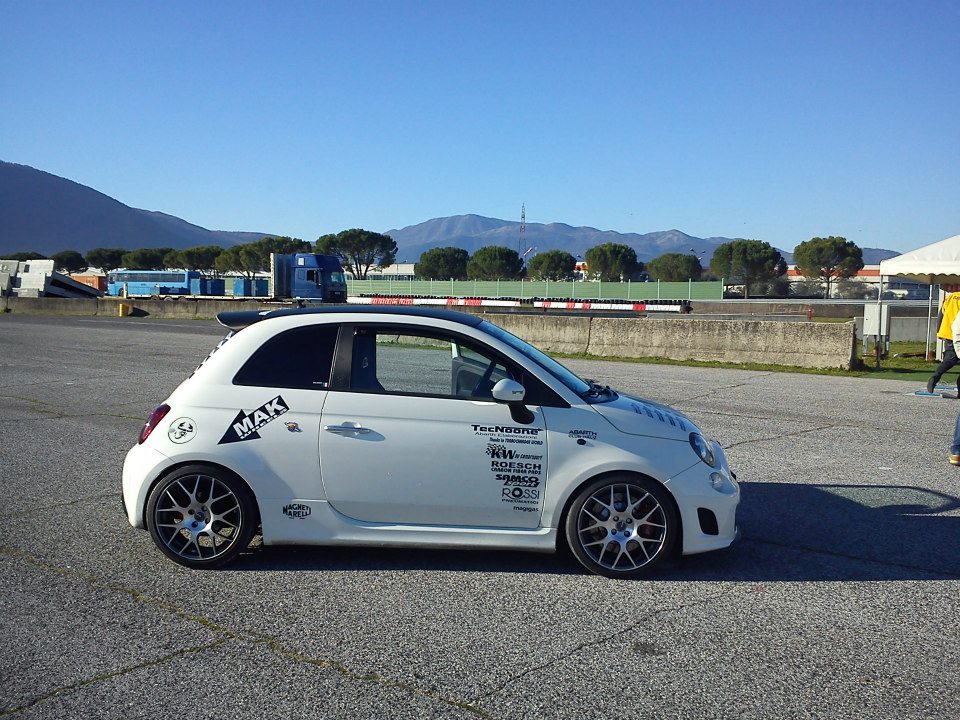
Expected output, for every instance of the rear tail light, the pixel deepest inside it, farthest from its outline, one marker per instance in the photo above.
(155, 417)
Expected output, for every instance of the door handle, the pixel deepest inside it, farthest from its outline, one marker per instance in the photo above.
(344, 429)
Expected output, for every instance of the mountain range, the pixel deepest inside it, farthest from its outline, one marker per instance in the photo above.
(44, 213)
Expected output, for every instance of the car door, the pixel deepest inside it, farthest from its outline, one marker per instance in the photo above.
(412, 436)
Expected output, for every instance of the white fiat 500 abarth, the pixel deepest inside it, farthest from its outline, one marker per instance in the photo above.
(409, 427)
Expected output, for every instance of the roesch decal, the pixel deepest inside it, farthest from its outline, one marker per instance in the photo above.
(296, 510)
(527, 467)
(586, 434)
(246, 424)
(502, 453)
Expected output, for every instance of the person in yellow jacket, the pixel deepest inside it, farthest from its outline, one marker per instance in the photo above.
(948, 314)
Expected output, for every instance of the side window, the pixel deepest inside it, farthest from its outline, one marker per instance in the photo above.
(299, 358)
(421, 364)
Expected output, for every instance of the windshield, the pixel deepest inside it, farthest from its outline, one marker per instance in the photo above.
(547, 363)
(336, 278)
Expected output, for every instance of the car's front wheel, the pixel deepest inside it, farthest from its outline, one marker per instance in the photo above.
(621, 527)
(200, 516)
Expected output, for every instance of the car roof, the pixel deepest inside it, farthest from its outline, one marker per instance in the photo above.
(241, 319)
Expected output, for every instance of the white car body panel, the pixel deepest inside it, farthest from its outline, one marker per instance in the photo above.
(431, 470)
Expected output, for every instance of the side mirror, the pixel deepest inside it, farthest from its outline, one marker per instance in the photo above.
(508, 391)
(511, 392)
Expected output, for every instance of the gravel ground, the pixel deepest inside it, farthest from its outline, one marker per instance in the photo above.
(841, 600)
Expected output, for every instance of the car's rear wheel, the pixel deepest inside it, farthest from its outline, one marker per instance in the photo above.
(622, 527)
(200, 516)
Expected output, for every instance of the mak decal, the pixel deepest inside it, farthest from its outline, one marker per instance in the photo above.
(182, 430)
(296, 510)
(293, 427)
(246, 424)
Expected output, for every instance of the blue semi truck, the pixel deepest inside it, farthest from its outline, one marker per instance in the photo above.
(306, 276)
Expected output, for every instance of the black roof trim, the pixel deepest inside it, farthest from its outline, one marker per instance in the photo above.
(242, 318)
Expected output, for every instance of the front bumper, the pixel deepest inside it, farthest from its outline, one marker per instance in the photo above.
(709, 515)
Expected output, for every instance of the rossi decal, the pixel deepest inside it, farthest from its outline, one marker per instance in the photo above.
(520, 496)
(246, 424)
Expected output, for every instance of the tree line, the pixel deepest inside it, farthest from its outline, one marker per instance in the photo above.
(754, 264)
(358, 251)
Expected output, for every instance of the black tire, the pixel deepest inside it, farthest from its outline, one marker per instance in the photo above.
(622, 526)
(189, 528)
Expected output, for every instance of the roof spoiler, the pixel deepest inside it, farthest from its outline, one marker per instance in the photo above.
(238, 320)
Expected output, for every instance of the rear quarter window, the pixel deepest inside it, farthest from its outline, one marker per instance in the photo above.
(299, 358)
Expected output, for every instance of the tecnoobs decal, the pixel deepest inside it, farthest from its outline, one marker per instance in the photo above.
(246, 424)
(182, 430)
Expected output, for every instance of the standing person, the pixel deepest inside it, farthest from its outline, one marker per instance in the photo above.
(949, 313)
(955, 446)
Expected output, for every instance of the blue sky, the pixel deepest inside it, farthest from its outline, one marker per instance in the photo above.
(771, 120)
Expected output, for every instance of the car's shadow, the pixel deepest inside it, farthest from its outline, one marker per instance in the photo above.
(790, 532)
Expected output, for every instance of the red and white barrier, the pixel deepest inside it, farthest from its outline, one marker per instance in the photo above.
(491, 302)
(445, 302)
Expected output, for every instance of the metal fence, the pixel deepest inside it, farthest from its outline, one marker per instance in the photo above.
(653, 290)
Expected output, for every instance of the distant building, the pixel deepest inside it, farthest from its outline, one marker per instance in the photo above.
(397, 271)
(869, 275)
(37, 278)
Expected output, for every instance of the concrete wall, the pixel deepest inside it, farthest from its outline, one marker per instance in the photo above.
(51, 306)
(813, 345)
(821, 308)
(108, 307)
(801, 344)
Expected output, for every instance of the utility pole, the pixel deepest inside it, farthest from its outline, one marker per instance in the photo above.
(523, 228)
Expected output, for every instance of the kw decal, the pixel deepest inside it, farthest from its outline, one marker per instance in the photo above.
(246, 424)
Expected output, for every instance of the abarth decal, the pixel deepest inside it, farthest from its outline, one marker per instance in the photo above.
(585, 434)
(182, 430)
(246, 424)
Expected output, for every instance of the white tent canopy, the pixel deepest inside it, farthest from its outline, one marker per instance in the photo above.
(938, 263)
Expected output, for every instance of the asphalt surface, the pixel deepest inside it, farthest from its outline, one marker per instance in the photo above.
(841, 601)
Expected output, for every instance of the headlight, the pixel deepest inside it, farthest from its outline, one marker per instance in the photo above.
(702, 448)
